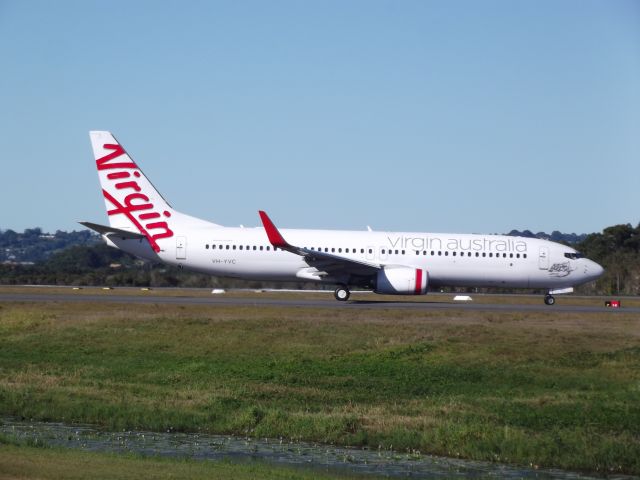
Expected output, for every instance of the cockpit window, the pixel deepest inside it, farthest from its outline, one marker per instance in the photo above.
(573, 255)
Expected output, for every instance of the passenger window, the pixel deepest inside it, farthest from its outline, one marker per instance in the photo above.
(370, 251)
(524, 255)
(227, 247)
(339, 250)
(403, 252)
(240, 247)
(517, 255)
(268, 248)
(207, 246)
(490, 254)
(382, 251)
(454, 254)
(446, 254)
(439, 253)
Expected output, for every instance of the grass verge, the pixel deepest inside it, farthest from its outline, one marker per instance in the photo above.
(549, 389)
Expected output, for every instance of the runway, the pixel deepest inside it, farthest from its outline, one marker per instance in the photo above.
(268, 300)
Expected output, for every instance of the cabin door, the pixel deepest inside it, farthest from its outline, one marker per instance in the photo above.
(181, 248)
(543, 258)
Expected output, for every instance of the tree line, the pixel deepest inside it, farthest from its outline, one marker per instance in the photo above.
(81, 258)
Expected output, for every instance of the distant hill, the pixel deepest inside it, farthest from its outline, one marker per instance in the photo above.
(33, 246)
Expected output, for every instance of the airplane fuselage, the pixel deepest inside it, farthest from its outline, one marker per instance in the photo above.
(467, 260)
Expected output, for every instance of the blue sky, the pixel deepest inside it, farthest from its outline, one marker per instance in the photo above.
(452, 116)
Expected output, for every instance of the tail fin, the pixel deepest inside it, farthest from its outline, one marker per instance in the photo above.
(133, 204)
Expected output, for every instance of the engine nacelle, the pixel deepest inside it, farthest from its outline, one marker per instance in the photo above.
(402, 281)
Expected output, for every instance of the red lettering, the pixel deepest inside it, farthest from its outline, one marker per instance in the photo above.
(128, 201)
(133, 185)
(117, 175)
(123, 210)
(134, 202)
(117, 151)
(166, 234)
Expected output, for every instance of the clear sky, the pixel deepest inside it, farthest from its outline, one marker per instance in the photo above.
(440, 116)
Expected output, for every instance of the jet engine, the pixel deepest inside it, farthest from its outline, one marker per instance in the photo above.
(402, 281)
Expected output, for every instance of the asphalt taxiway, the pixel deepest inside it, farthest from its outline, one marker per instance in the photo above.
(261, 299)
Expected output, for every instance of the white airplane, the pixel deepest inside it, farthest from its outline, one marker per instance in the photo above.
(142, 223)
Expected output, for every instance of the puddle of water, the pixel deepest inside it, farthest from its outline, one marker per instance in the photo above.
(301, 454)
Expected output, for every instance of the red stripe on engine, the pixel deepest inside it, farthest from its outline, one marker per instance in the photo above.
(418, 290)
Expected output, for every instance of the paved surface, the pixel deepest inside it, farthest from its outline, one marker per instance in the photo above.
(329, 302)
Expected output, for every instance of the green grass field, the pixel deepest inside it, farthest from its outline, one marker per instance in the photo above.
(548, 389)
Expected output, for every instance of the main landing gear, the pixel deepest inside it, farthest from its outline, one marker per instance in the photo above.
(549, 299)
(342, 293)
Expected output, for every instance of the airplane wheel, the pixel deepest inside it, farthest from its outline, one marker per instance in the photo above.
(342, 294)
(549, 300)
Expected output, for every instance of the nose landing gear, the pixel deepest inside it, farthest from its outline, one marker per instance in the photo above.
(549, 299)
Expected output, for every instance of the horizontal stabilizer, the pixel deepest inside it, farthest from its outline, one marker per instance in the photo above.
(104, 230)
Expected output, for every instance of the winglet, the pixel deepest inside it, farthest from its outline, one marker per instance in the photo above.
(275, 238)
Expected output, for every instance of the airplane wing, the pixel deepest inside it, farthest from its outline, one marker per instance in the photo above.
(322, 261)
(104, 230)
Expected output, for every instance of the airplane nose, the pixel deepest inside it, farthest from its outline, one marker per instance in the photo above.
(594, 270)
